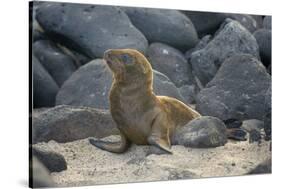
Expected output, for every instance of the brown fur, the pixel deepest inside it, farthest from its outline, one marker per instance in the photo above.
(141, 116)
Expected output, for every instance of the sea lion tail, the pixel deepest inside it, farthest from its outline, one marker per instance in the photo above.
(115, 147)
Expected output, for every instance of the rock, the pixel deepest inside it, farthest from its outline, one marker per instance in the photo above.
(263, 168)
(90, 29)
(259, 20)
(53, 161)
(205, 22)
(253, 127)
(37, 35)
(202, 132)
(254, 136)
(90, 84)
(237, 91)
(188, 93)
(89, 165)
(231, 39)
(200, 45)
(252, 124)
(232, 123)
(245, 20)
(40, 176)
(79, 58)
(267, 114)
(170, 62)
(263, 37)
(67, 123)
(173, 64)
(163, 86)
(44, 87)
(59, 65)
(165, 26)
(267, 22)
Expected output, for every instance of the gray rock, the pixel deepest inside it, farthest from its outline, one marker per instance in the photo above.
(54, 161)
(267, 114)
(166, 26)
(263, 37)
(66, 123)
(202, 132)
(44, 86)
(267, 22)
(264, 167)
(38, 35)
(90, 85)
(188, 92)
(90, 29)
(205, 22)
(200, 45)
(253, 127)
(163, 86)
(173, 64)
(252, 124)
(245, 20)
(59, 65)
(259, 20)
(170, 62)
(40, 175)
(237, 91)
(231, 39)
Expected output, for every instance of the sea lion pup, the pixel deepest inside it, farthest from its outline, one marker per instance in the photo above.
(141, 116)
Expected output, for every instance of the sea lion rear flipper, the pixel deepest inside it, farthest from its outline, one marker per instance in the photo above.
(160, 135)
(115, 147)
(162, 144)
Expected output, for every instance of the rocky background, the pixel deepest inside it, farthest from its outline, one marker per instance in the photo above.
(219, 63)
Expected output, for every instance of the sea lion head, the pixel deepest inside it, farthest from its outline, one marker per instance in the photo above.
(128, 65)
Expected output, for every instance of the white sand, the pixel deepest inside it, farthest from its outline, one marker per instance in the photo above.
(87, 165)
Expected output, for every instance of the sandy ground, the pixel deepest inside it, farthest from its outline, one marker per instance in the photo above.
(88, 165)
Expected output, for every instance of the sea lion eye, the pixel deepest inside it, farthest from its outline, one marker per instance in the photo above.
(126, 59)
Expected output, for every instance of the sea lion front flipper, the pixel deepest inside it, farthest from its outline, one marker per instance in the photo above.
(160, 135)
(115, 147)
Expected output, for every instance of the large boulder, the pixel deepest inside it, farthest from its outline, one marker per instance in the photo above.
(263, 37)
(205, 23)
(53, 161)
(166, 26)
(67, 123)
(44, 86)
(237, 91)
(90, 29)
(173, 64)
(59, 65)
(232, 38)
(202, 132)
(90, 85)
